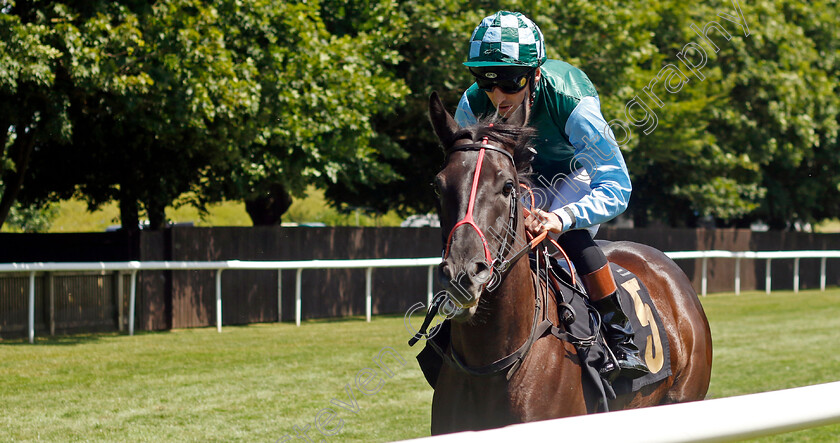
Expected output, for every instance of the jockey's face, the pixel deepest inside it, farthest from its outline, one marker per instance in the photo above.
(506, 103)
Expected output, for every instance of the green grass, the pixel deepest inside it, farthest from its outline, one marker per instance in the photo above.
(828, 226)
(258, 382)
(769, 342)
(314, 207)
(250, 383)
(73, 215)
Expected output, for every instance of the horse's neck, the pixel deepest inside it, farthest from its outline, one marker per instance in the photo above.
(503, 322)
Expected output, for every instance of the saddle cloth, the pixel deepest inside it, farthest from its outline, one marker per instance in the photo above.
(650, 337)
(650, 333)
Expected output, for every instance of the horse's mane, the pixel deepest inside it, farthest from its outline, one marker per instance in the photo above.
(511, 137)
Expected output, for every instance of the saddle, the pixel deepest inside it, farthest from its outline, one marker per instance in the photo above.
(581, 327)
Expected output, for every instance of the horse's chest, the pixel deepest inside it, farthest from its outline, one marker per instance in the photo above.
(547, 385)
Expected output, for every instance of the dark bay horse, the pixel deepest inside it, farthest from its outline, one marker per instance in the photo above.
(492, 324)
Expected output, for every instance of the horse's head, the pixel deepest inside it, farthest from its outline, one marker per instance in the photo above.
(478, 189)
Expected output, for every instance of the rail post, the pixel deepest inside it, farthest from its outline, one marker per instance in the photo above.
(120, 301)
(219, 300)
(132, 297)
(704, 280)
(430, 285)
(767, 280)
(31, 307)
(822, 273)
(368, 297)
(796, 275)
(279, 295)
(297, 295)
(51, 292)
(737, 275)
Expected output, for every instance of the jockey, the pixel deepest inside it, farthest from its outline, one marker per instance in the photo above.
(580, 176)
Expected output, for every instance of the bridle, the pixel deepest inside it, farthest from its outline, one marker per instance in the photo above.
(500, 264)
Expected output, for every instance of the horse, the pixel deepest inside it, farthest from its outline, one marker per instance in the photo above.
(478, 187)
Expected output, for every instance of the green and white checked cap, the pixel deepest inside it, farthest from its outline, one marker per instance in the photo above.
(506, 38)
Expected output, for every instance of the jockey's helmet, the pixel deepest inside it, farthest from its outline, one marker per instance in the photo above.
(506, 39)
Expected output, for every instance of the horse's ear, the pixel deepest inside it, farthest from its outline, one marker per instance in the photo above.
(445, 126)
(521, 114)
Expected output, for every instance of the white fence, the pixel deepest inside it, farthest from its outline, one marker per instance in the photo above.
(766, 255)
(722, 419)
(219, 266)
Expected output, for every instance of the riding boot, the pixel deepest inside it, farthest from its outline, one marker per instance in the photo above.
(601, 288)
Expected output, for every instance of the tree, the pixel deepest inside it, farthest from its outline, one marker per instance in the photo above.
(32, 109)
(320, 93)
(430, 39)
(784, 107)
(229, 101)
(733, 143)
(256, 100)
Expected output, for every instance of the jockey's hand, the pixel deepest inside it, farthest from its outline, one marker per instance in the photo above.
(539, 221)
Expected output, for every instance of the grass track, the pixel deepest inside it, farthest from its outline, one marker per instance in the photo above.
(259, 382)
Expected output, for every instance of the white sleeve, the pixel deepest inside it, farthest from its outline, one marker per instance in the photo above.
(600, 156)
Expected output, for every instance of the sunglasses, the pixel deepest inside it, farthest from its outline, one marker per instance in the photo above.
(508, 85)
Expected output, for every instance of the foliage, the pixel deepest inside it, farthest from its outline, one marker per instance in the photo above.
(32, 110)
(735, 145)
(426, 35)
(145, 103)
(224, 100)
(31, 219)
(784, 107)
(319, 93)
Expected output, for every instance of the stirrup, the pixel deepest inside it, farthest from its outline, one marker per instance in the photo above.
(610, 370)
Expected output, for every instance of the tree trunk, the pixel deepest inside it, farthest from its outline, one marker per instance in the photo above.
(268, 208)
(20, 152)
(129, 211)
(157, 215)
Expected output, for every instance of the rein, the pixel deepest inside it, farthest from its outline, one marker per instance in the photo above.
(501, 265)
(511, 362)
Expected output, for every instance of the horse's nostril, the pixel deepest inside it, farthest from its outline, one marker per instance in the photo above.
(445, 270)
(480, 271)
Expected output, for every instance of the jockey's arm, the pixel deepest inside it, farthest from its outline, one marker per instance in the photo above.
(597, 151)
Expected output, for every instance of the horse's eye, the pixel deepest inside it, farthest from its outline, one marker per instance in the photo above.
(507, 189)
(435, 188)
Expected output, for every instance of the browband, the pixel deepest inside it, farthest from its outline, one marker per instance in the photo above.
(478, 147)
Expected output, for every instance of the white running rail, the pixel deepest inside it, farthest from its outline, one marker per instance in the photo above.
(219, 266)
(721, 419)
(431, 263)
(767, 255)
